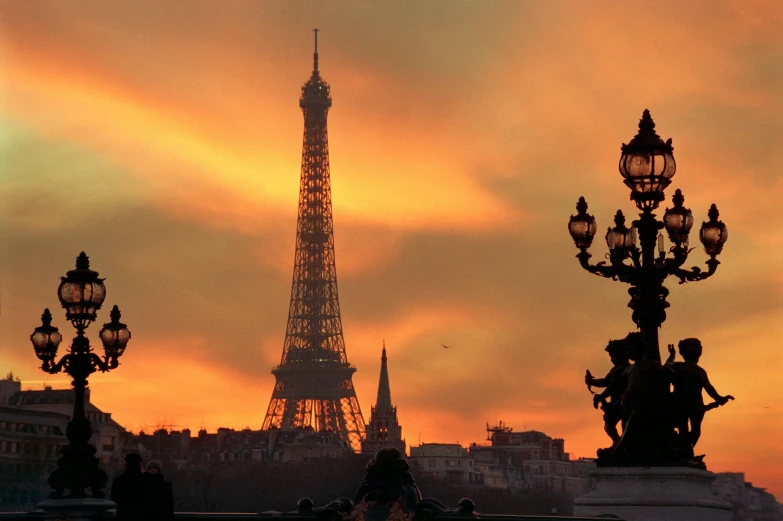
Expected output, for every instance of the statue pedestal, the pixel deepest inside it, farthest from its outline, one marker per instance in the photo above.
(653, 494)
(83, 509)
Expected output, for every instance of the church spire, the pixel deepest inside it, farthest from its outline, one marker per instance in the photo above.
(383, 430)
(384, 403)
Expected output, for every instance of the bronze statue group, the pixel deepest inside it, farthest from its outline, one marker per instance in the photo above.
(660, 407)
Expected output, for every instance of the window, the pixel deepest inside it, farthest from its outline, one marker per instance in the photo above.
(108, 443)
(432, 463)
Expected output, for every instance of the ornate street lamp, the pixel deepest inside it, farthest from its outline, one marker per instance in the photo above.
(621, 240)
(678, 221)
(713, 233)
(81, 293)
(582, 226)
(647, 166)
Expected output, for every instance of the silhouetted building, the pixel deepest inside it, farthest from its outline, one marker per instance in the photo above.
(449, 461)
(228, 446)
(514, 461)
(32, 431)
(106, 433)
(30, 443)
(750, 503)
(313, 383)
(530, 460)
(383, 430)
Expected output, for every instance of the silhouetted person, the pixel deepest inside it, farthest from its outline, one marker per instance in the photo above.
(158, 495)
(615, 382)
(689, 379)
(388, 490)
(127, 490)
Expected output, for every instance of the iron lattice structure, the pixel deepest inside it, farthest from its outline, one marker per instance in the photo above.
(313, 385)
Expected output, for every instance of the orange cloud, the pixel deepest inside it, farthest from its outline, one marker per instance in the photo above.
(179, 152)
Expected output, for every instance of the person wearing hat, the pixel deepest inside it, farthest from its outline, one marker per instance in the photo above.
(158, 495)
(127, 490)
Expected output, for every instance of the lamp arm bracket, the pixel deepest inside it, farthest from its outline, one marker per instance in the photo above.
(671, 265)
(696, 273)
(99, 363)
(600, 268)
(53, 368)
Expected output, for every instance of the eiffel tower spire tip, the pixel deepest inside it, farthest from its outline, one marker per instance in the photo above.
(315, 54)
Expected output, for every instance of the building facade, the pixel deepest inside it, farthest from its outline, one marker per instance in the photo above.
(750, 503)
(514, 461)
(449, 461)
(229, 446)
(531, 460)
(384, 429)
(32, 431)
(30, 443)
(106, 433)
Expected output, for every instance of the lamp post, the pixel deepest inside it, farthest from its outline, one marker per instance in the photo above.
(647, 166)
(81, 293)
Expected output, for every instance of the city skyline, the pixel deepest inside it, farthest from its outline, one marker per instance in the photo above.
(460, 139)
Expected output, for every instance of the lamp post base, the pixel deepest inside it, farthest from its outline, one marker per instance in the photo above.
(653, 494)
(80, 509)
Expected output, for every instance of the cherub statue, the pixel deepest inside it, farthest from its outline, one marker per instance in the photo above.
(614, 382)
(689, 379)
(648, 436)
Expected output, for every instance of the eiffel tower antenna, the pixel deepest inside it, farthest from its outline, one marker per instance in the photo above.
(314, 386)
(315, 54)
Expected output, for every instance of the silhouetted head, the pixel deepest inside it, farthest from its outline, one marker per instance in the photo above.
(636, 345)
(690, 349)
(618, 351)
(389, 464)
(154, 467)
(133, 462)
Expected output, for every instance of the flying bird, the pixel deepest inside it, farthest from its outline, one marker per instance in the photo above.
(445, 346)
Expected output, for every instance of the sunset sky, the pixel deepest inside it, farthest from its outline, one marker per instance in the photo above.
(164, 140)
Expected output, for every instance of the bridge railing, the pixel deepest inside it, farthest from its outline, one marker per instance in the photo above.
(243, 516)
(434, 511)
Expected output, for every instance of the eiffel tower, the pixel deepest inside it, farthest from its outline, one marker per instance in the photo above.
(313, 385)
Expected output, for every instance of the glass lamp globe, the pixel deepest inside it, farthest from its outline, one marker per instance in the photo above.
(713, 233)
(582, 226)
(678, 220)
(81, 293)
(114, 335)
(647, 165)
(46, 338)
(620, 238)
